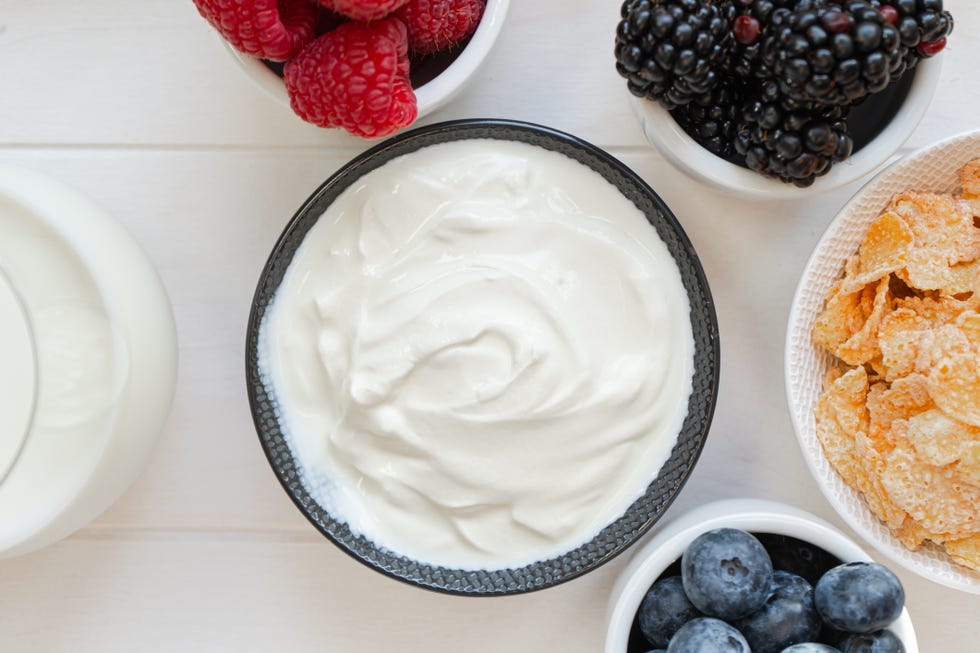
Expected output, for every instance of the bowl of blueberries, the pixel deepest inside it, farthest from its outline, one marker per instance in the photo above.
(747, 575)
(779, 98)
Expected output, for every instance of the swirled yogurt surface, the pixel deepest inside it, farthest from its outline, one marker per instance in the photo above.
(481, 354)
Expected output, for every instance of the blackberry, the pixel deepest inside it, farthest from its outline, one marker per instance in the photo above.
(794, 146)
(829, 54)
(712, 119)
(749, 28)
(770, 92)
(671, 51)
(923, 26)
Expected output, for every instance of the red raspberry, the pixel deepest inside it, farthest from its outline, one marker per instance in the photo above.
(363, 9)
(271, 29)
(435, 25)
(355, 77)
(329, 20)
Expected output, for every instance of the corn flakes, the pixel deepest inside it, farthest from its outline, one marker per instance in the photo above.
(900, 415)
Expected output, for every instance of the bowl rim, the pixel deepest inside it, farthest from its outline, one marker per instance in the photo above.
(897, 554)
(540, 574)
(430, 96)
(753, 515)
(663, 132)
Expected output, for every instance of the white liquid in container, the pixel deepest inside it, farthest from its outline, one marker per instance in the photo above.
(18, 375)
(82, 397)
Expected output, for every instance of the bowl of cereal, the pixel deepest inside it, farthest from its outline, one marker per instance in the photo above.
(882, 353)
(795, 573)
(483, 357)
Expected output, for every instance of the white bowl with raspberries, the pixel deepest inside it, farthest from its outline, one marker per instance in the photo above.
(446, 42)
(799, 543)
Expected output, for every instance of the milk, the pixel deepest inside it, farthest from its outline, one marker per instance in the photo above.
(18, 375)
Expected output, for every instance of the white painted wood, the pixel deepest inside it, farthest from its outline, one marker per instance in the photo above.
(205, 592)
(136, 104)
(153, 72)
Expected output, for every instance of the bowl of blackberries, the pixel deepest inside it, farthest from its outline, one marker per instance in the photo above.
(774, 98)
(754, 576)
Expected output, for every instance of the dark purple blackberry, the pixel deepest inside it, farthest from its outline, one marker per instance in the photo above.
(822, 53)
(755, 15)
(671, 51)
(918, 21)
(712, 119)
(793, 146)
(770, 92)
(922, 25)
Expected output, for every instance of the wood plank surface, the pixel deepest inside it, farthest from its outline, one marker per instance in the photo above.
(138, 105)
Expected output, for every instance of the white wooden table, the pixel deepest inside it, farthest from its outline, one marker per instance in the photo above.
(136, 104)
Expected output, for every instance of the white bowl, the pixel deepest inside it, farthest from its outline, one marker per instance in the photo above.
(105, 367)
(753, 515)
(432, 95)
(932, 168)
(686, 154)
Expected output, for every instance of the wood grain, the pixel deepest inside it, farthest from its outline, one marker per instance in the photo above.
(137, 105)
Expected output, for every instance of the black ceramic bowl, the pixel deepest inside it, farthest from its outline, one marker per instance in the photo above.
(642, 514)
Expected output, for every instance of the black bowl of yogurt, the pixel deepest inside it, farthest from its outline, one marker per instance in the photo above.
(483, 357)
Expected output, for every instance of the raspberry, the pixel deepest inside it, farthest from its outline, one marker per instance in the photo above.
(363, 9)
(355, 77)
(270, 29)
(435, 25)
(329, 20)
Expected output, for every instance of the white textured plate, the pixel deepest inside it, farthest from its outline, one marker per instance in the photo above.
(930, 169)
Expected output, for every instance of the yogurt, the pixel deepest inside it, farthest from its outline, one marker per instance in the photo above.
(481, 355)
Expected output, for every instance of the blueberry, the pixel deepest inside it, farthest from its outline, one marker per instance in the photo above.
(832, 636)
(664, 609)
(859, 597)
(882, 641)
(787, 617)
(810, 647)
(707, 634)
(726, 573)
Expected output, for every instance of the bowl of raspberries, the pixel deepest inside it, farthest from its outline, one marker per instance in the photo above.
(747, 575)
(370, 67)
(764, 98)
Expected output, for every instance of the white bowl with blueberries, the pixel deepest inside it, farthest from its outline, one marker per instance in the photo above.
(745, 575)
(780, 98)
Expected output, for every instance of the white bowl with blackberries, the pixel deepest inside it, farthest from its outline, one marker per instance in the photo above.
(780, 98)
(755, 576)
